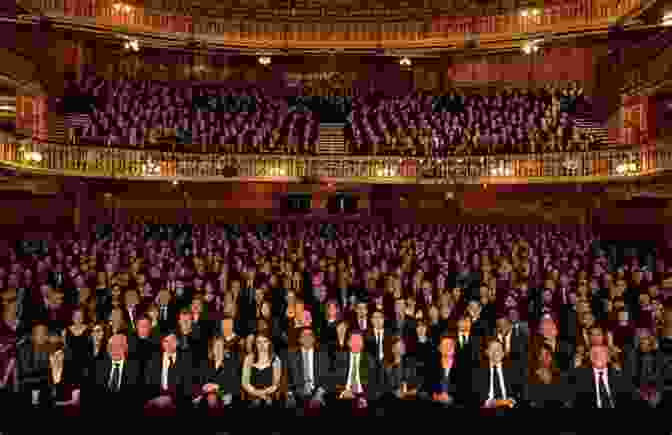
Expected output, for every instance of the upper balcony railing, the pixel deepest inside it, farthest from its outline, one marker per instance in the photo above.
(173, 166)
(280, 31)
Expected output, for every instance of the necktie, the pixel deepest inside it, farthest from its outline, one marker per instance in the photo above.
(362, 325)
(605, 399)
(115, 377)
(497, 392)
(164, 312)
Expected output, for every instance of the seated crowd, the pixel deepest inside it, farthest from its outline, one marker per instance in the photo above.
(376, 317)
(511, 121)
(196, 117)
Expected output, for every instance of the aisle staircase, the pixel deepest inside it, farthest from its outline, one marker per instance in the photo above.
(332, 141)
(58, 130)
(585, 120)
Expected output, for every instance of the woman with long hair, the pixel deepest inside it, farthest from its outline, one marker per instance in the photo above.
(77, 339)
(262, 371)
(220, 375)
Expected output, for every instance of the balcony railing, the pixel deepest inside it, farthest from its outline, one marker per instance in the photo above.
(445, 31)
(172, 166)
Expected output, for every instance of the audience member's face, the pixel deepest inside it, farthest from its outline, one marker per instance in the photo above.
(356, 343)
(421, 329)
(169, 344)
(77, 317)
(596, 337)
(548, 328)
(433, 314)
(307, 339)
(503, 325)
(599, 356)
(378, 320)
(263, 344)
(118, 347)
(361, 310)
(495, 352)
(332, 310)
(474, 309)
(463, 326)
(646, 341)
(144, 328)
(447, 347)
(40, 335)
(341, 329)
(131, 298)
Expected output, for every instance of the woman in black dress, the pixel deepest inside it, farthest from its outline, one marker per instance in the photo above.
(62, 389)
(77, 340)
(262, 370)
(220, 376)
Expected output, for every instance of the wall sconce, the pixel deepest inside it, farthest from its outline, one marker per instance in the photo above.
(531, 47)
(264, 60)
(404, 61)
(33, 156)
(132, 45)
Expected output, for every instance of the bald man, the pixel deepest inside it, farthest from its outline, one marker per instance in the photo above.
(117, 379)
(601, 386)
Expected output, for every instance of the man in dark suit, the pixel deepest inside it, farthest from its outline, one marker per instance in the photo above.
(496, 385)
(169, 376)
(468, 344)
(143, 344)
(117, 379)
(308, 367)
(600, 386)
(400, 324)
(375, 340)
(167, 311)
(514, 341)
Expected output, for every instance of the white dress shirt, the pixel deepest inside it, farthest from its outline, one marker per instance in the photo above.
(596, 378)
(164, 371)
(121, 364)
(307, 356)
(380, 336)
(354, 366)
(496, 371)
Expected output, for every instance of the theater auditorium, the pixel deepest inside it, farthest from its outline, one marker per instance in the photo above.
(358, 208)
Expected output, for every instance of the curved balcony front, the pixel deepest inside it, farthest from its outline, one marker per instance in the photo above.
(129, 164)
(326, 32)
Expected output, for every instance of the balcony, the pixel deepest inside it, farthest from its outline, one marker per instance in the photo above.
(390, 30)
(131, 164)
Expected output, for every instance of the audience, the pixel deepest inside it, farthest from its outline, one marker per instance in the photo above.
(378, 317)
(229, 119)
(517, 121)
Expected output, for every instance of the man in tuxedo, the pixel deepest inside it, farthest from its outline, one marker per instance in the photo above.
(169, 376)
(307, 373)
(167, 311)
(375, 340)
(143, 344)
(117, 379)
(600, 386)
(496, 382)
